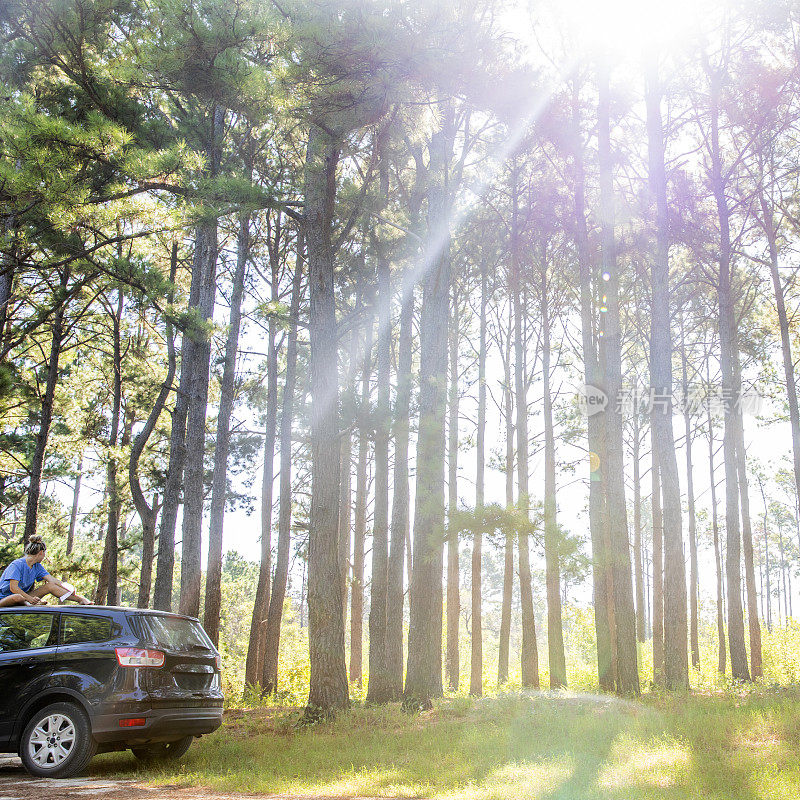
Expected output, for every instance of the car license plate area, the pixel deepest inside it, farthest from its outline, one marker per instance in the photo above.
(192, 677)
(191, 681)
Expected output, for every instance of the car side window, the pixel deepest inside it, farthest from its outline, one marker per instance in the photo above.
(24, 631)
(82, 628)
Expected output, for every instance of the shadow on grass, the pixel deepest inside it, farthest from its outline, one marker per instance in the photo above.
(544, 747)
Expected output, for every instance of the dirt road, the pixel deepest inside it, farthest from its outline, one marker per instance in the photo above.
(16, 784)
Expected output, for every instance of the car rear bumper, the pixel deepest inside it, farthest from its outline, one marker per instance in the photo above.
(161, 725)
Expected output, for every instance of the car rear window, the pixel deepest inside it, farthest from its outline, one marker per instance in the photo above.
(81, 628)
(24, 631)
(175, 633)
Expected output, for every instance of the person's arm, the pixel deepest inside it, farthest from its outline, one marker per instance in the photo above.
(13, 584)
(50, 579)
(41, 574)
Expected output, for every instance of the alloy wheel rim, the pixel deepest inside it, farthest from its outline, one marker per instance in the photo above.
(52, 740)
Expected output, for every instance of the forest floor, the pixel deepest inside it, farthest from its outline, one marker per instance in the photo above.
(736, 745)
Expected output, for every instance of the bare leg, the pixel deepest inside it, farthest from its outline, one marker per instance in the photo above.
(45, 588)
(58, 590)
(12, 600)
(68, 593)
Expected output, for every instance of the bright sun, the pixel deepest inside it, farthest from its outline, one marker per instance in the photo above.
(630, 26)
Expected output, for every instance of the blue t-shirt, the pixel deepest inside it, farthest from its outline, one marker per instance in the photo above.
(24, 575)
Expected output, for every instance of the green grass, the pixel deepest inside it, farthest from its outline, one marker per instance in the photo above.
(738, 745)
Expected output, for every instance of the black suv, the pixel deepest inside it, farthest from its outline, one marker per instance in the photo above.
(79, 680)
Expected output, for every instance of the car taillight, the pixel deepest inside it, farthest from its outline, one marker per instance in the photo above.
(219, 662)
(136, 722)
(138, 657)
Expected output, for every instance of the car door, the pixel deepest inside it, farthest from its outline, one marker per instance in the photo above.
(86, 659)
(27, 655)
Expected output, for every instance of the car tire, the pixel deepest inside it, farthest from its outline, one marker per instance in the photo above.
(57, 742)
(163, 751)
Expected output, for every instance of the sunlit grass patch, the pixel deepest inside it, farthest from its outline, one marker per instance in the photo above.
(736, 745)
(654, 763)
(523, 780)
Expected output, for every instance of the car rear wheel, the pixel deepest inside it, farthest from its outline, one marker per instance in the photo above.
(57, 742)
(163, 751)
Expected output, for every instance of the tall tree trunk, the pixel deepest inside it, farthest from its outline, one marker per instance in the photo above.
(380, 687)
(219, 480)
(694, 591)
(400, 494)
(348, 416)
(129, 420)
(508, 552)
(782, 581)
(766, 603)
(762, 608)
(424, 670)
(789, 589)
(452, 657)
(148, 553)
(46, 412)
(149, 514)
(205, 263)
(724, 587)
(328, 681)
(754, 628)
(676, 662)
(345, 507)
(101, 588)
(272, 633)
(608, 549)
(595, 423)
(721, 651)
(658, 569)
(195, 439)
(786, 345)
(627, 678)
(401, 529)
(768, 588)
(530, 652)
(476, 652)
(360, 525)
(641, 613)
(555, 632)
(108, 588)
(73, 517)
(7, 272)
(730, 390)
(409, 559)
(303, 583)
(648, 563)
(254, 664)
(165, 558)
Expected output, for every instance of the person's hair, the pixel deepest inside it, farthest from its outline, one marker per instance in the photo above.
(35, 545)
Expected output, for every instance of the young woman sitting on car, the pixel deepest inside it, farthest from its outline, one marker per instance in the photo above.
(18, 582)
